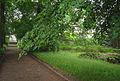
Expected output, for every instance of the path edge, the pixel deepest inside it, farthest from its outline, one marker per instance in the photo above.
(2, 59)
(49, 67)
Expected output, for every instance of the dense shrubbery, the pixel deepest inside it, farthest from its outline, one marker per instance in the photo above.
(98, 48)
(112, 58)
(95, 52)
(89, 48)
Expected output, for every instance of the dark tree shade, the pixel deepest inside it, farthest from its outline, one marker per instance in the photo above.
(2, 22)
(39, 8)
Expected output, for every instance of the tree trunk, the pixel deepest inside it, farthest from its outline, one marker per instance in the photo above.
(2, 22)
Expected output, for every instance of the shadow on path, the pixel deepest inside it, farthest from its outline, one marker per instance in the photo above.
(26, 69)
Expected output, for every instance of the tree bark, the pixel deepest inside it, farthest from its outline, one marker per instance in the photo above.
(2, 22)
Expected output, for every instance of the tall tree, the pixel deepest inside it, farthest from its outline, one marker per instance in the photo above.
(2, 22)
(103, 16)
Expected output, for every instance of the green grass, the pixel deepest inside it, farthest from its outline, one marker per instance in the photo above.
(81, 68)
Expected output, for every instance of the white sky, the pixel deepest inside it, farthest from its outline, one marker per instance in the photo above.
(12, 38)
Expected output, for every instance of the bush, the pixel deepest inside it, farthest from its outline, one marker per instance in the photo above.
(1, 51)
(94, 48)
(103, 49)
(83, 41)
(117, 50)
(112, 58)
(6, 40)
(88, 48)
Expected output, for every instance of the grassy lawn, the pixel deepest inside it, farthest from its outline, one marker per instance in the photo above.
(80, 68)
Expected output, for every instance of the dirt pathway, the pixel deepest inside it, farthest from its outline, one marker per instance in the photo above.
(26, 69)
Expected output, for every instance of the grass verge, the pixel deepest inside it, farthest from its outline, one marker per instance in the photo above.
(81, 68)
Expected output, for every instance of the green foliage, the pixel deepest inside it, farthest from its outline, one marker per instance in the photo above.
(117, 51)
(103, 17)
(108, 57)
(39, 39)
(42, 25)
(68, 36)
(85, 41)
(6, 40)
(2, 50)
(50, 26)
(112, 58)
(20, 17)
(89, 48)
(98, 48)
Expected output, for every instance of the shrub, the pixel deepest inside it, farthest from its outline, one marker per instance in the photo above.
(117, 50)
(97, 48)
(1, 51)
(6, 40)
(103, 49)
(112, 58)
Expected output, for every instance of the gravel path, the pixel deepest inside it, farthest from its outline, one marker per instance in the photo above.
(26, 69)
